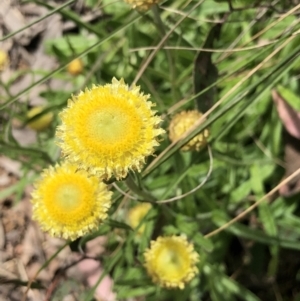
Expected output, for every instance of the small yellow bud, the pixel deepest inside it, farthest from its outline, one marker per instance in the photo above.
(142, 5)
(75, 67)
(182, 123)
(4, 60)
(40, 123)
(136, 215)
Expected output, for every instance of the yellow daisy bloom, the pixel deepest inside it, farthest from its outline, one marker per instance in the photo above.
(171, 261)
(109, 129)
(69, 203)
(136, 214)
(182, 123)
(142, 5)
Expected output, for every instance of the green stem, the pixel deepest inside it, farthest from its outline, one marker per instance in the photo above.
(134, 188)
(161, 28)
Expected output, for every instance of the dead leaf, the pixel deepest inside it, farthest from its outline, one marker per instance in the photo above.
(291, 122)
(205, 72)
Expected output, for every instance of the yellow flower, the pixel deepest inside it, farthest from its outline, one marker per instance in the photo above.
(75, 67)
(171, 261)
(182, 123)
(41, 122)
(69, 203)
(137, 214)
(4, 60)
(142, 5)
(109, 129)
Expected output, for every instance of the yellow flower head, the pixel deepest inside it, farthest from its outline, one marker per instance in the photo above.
(137, 214)
(142, 5)
(69, 203)
(41, 122)
(182, 123)
(171, 261)
(75, 67)
(109, 129)
(4, 60)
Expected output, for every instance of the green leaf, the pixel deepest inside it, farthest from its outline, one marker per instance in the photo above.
(200, 241)
(289, 96)
(117, 224)
(224, 288)
(240, 192)
(244, 231)
(130, 292)
(265, 214)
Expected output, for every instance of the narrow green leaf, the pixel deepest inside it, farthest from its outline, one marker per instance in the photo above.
(117, 224)
(129, 292)
(219, 218)
(225, 288)
(202, 242)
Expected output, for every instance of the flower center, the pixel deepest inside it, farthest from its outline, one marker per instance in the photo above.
(73, 200)
(111, 128)
(172, 262)
(108, 125)
(68, 197)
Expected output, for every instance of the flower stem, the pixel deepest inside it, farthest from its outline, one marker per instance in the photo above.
(137, 190)
(161, 28)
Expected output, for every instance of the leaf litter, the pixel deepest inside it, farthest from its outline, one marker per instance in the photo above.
(23, 247)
